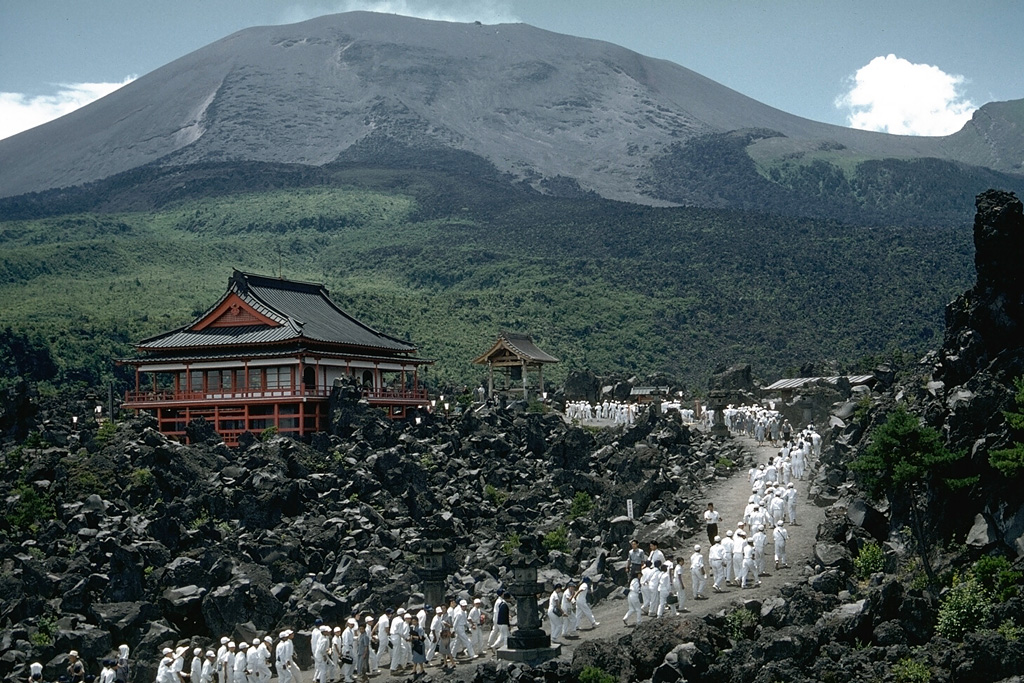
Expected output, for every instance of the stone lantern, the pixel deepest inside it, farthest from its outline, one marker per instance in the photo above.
(433, 571)
(529, 642)
(718, 399)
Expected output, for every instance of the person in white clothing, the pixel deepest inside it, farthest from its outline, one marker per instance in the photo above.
(384, 639)
(476, 625)
(698, 574)
(790, 497)
(780, 536)
(759, 539)
(727, 550)
(647, 577)
(656, 554)
(555, 614)
(226, 663)
(397, 638)
(677, 585)
(716, 556)
(583, 612)
(739, 540)
(570, 626)
(209, 667)
(500, 622)
(196, 668)
(633, 600)
(240, 673)
(664, 586)
(461, 621)
(749, 566)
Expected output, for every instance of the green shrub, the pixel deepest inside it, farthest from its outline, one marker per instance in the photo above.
(997, 578)
(31, 509)
(105, 433)
(511, 543)
(141, 478)
(582, 504)
(557, 539)
(740, 623)
(964, 609)
(869, 560)
(724, 463)
(1010, 631)
(1010, 461)
(427, 462)
(268, 433)
(909, 670)
(595, 674)
(495, 495)
(46, 629)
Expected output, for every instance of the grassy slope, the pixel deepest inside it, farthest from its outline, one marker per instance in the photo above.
(448, 261)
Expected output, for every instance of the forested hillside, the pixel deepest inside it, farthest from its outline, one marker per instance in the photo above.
(448, 252)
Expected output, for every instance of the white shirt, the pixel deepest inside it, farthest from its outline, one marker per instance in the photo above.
(712, 517)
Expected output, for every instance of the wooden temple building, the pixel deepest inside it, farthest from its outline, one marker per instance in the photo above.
(515, 354)
(267, 355)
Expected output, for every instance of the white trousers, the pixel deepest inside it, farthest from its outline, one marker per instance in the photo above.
(633, 600)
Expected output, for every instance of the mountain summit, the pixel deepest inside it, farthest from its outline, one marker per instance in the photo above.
(549, 109)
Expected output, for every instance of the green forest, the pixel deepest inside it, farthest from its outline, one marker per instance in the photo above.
(449, 259)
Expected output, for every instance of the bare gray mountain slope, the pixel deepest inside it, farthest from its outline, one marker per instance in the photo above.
(535, 103)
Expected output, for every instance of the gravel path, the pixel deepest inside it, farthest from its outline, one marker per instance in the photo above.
(730, 498)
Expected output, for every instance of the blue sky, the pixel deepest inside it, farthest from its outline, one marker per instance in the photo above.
(918, 67)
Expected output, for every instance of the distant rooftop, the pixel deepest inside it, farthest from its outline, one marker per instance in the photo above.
(799, 382)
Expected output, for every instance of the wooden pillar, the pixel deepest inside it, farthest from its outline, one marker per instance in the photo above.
(525, 375)
(302, 418)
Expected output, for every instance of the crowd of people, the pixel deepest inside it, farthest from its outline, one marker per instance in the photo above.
(607, 411)
(656, 583)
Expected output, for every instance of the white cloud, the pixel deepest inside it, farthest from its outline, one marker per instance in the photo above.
(484, 11)
(20, 112)
(893, 95)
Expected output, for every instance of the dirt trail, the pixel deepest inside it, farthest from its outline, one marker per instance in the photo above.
(730, 498)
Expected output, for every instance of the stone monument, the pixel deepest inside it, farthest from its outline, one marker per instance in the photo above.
(529, 642)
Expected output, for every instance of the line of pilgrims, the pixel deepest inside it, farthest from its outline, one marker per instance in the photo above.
(656, 584)
(402, 640)
(615, 411)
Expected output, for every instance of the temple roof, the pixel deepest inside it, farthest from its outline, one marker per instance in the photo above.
(514, 348)
(259, 310)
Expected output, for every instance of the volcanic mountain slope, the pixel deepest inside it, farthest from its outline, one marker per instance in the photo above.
(556, 111)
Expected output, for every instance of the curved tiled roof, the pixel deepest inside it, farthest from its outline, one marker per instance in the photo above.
(303, 311)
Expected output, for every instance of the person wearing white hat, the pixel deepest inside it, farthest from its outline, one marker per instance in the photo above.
(226, 663)
(555, 616)
(633, 600)
(263, 650)
(347, 653)
(749, 570)
(383, 640)
(476, 625)
(434, 643)
(397, 636)
(739, 539)
(698, 574)
(759, 538)
(76, 669)
(461, 621)
(209, 670)
(221, 653)
(727, 550)
(196, 669)
(334, 656)
(123, 671)
(252, 661)
(164, 672)
(780, 536)
(179, 664)
(716, 557)
(647, 579)
(241, 664)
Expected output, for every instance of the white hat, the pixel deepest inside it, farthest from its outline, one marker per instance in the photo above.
(283, 634)
(231, 644)
(463, 603)
(741, 533)
(476, 601)
(760, 527)
(719, 538)
(180, 651)
(73, 653)
(401, 611)
(696, 548)
(211, 654)
(337, 629)
(256, 641)
(325, 629)
(729, 533)
(197, 651)
(268, 639)
(778, 523)
(243, 645)
(224, 640)
(165, 651)
(368, 619)
(439, 610)
(352, 621)
(789, 485)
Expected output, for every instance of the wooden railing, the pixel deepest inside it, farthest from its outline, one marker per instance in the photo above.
(169, 396)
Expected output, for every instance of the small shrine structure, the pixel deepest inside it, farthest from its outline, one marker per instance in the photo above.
(267, 354)
(515, 354)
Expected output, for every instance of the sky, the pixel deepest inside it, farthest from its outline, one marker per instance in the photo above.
(916, 67)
